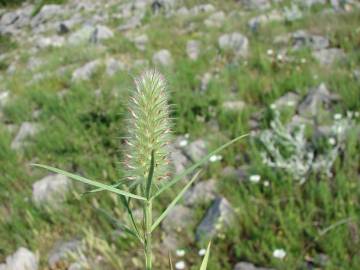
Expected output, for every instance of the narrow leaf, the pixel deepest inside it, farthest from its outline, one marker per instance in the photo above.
(126, 203)
(172, 204)
(101, 189)
(206, 258)
(90, 182)
(196, 165)
(150, 176)
(170, 262)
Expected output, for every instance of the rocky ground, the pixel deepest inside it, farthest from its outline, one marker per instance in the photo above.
(287, 72)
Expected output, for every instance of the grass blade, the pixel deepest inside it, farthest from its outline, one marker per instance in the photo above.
(206, 258)
(172, 204)
(150, 176)
(170, 262)
(90, 182)
(196, 165)
(126, 203)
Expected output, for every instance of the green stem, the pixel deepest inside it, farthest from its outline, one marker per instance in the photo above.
(148, 223)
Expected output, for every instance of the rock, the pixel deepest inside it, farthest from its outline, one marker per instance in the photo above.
(22, 259)
(193, 49)
(85, 72)
(83, 35)
(290, 99)
(196, 150)
(51, 190)
(178, 219)
(46, 42)
(215, 20)
(303, 39)
(236, 105)
(316, 99)
(26, 130)
(61, 252)
(203, 192)
(162, 58)
(310, 3)
(220, 214)
(255, 4)
(4, 97)
(235, 42)
(179, 160)
(240, 174)
(255, 22)
(141, 42)
(205, 80)
(47, 12)
(204, 8)
(293, 13)
(113, 66)
(248, 266)
(101, 32)
(131, 23)
(329, 56)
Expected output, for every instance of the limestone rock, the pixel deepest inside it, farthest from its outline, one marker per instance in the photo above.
(235, 42)
(27, 129)
(22, 259)
(162, 58)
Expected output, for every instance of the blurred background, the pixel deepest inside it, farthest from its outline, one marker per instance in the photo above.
(285, 71)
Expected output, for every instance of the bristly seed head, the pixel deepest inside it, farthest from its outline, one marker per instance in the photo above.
(148, 127)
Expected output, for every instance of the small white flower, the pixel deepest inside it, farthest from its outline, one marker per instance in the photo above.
(180, 265)
(180, 252)
(202, 252)
(183, 143)
(255, 178)
(273, 106)
(215, 158)
(279, 57)
(303, 60)
(279, 253)
(356, 114)
(187, 136)
(337, 116)
(290, 103)
(266, 183)
(332, 141)
(270, 52)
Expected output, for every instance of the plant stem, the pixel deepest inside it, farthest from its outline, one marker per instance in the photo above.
(148, 223)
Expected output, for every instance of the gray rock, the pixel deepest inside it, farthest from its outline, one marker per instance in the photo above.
(141, 42)
(256, 22)
(317, 98)
(196, 150)
(46, 13)
(235, 42)
(179, 219)
(4, 97)
(193, 49)
(130, 24)
(205, 80)
(113, 66)
(85, 72)
(292, 13)
(22, 259)
(329, 56)
(215, 20)
(204, 8)
(290, 99)
(203, 192)
(101, 32)
(26, 130)
(162, 58)
(356, 75)
(255, 4)
(51, 190)
(46, 42)
(83, 35)
(248, 266)
(219, 215)
(310, 3)
(301, 39)
(236, 105)
(61, 252)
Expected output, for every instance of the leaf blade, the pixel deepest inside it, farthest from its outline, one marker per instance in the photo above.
(206, 258)
(196, 165)
(172, 204)
(90, 182)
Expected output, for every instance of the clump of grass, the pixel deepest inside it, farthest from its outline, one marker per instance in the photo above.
(146, 162)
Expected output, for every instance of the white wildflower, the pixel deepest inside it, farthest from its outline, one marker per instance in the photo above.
(266, 183)
(337, 116)
(279, 253)
(303, 60)
(332, 141)
(202, 252)
(180, 252)
(183, 143)
(270, 52)
(255, 178)
(273, 106)
(280, 57)
(180, 265)
(215, 158)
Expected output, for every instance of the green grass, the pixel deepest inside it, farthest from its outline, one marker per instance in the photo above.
(81, 132)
